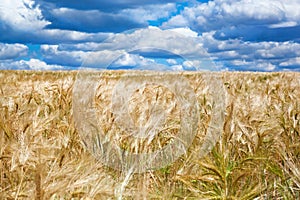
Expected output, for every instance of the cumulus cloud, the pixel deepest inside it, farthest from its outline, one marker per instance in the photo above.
(24, 22)
(22, 15)
(128, 60)
(100, 59)
(219, 13)
(150, 43)
(250, 20)
(254, 50)
(133, 61)
(12, 51)
(156, 38)
(150, 12)
(243, 55)
(64, 15)
(31, 21)
(291, 63)
(171, 61)
(126, 15)
(53, 55)
(185, 31)
(237, 35)
(254, 65)
(34, 64)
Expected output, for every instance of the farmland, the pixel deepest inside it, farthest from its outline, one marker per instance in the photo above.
(257, 155)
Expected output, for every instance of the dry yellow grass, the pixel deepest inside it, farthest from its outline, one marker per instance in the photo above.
(257, 157)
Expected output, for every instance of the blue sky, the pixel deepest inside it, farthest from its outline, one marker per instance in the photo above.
(247, 35)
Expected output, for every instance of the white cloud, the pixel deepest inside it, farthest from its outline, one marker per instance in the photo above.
(94, 20)
(36, 64)
(154, 37)
(177, 68)
(235, 53)
(242, 34)
(262, 50)
(217, 14)
(121, 59)
(138, 62)
(260, 65)
(22, 15)
(87, 59)
(284, 24)
(232, 54)
(151, 41)
(150, 12)
(171, 61)
(177, 21)
(193, 64)
(185, 31)
(52, 54)
(66, 36)
(33, 64)
(101, 59)
(127, 60)
(291, 62)
(241, 63)
(265, 66)
(19, 16)
(281, 49)
(238, 54)
(11, 51)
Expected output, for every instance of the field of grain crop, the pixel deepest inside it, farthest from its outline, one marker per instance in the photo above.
(42, 155)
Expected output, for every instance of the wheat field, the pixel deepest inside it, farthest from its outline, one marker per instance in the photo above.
(42, 155)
